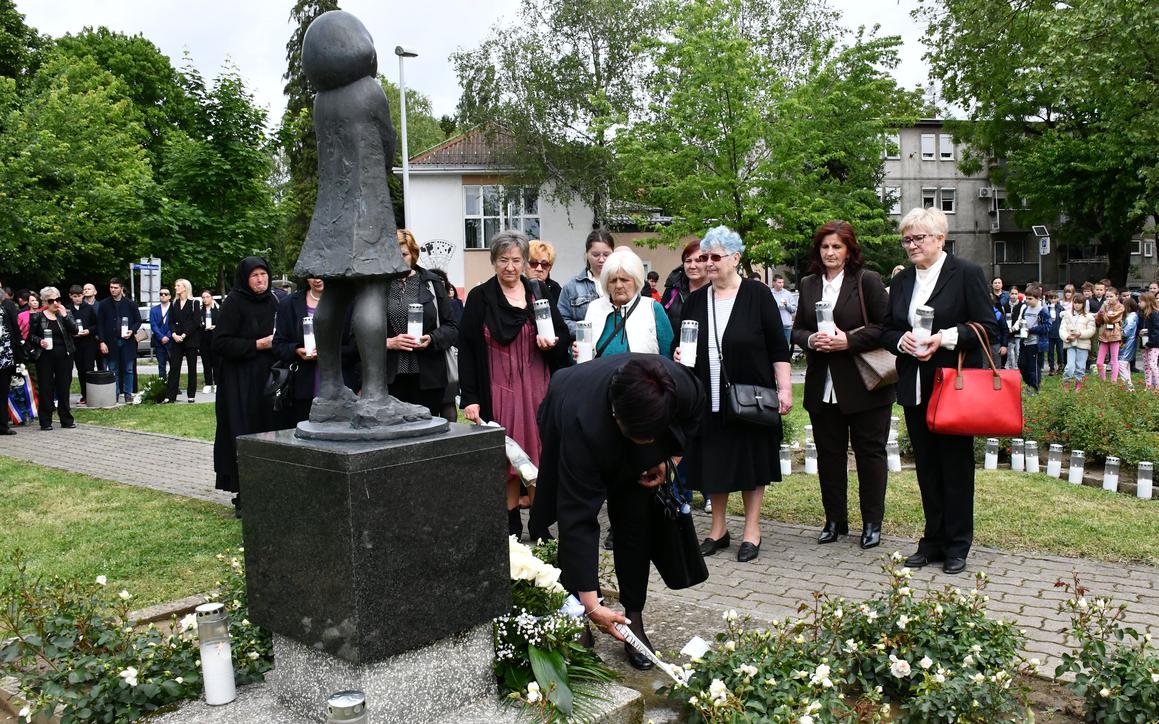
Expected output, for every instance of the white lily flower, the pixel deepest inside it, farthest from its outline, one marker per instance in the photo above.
(129, 675)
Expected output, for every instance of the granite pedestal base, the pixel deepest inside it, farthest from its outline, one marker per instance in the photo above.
(366, 550)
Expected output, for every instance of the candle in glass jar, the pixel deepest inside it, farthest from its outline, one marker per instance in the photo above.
(825, 323)
(1054, 461)
(1017, 455)
(810, 459)
(991, 462)
(786, 460)
(124, 326)
(689, 335)
(923, 327)
(1144, 480)
(414, 321)
(585, 344)
(893, 425)
(893, 456)
(543, 326)
(1032, 463)
(209, 319)
(1077, 463)
(47, 340)
(1111, 474)
(308, 341)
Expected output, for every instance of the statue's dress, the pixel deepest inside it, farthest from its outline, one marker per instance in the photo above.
(352, 233)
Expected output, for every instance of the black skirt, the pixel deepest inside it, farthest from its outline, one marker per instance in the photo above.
(731, 456)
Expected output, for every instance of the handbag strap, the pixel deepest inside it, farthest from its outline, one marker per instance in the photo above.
(436, 296)
(621, 323)
(861, 298)
(984, 341)
(716, 336)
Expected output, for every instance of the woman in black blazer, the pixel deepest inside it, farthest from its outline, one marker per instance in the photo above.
(185, 326)
(958, 293)
(841, 409)
(733, 455)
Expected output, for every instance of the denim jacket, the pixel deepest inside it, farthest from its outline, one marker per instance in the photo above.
(577, 294)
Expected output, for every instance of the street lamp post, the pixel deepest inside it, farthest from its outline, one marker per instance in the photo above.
(402, 52)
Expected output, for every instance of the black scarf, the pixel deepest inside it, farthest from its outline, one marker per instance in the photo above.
(503, 319)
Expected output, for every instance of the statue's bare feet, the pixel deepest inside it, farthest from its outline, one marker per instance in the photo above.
(389, 411)
(340, 409)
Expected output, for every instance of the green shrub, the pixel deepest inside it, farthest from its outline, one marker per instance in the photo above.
(73, 648)
(1101, 419)
(155, 390)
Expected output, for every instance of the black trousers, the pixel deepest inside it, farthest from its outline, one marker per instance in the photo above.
(406, 388)
(85, 359)
(181, 351)
(628, 514)
(833, 431)
(5, 386)
(945, 466)
(207, 356)
(53, 383)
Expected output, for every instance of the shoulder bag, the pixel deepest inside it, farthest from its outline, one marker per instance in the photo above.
(976, 402)
(278, 389)
(673, 545)
(451, 354)
(753, 404)
(877, 367)
(621, 323)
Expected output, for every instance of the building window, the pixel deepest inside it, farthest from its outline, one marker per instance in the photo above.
(1148, 247)
(929, 198)
(950, 246)
(1136, 247)
(928, 153)
(892, 148)
(946, 147)
(892, 198)
(488, 209)
(949, 201)
(1010, 252)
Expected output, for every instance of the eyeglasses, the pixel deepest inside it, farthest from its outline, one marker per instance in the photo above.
(536, 264)
(54, 300)
(915, 240)
(706, 257)
(164, 294)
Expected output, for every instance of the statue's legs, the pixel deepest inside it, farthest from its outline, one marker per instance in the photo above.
(376, 407)
(335, 401)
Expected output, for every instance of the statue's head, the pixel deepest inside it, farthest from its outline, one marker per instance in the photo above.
(338, 50)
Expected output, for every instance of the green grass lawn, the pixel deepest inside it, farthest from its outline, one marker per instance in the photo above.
(159, 547)
(181, 419)
(1012, 512)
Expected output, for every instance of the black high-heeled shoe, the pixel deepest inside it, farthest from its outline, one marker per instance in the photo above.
(870, 535)
(832, 531)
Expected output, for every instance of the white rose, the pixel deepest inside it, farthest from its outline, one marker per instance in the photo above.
(730, 645)
(1104, 692)
(124, 595)
(129, 675)
(940, 678)
(902, 621)
(101, 580)
(926, 662)
(25, 713)
(179, 680)
(730, 615)
(806, 719)
(979, 678)
(900, 668)
(968, 661)
(1155, 678)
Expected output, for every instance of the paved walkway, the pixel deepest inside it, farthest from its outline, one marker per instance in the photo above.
(791, 565)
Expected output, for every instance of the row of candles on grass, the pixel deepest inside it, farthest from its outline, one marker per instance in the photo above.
(1024, 457)
(892, 452)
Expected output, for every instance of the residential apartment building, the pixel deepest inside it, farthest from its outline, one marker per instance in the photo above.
(921, 169)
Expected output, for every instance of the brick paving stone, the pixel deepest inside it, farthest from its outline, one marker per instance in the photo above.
(790, 568)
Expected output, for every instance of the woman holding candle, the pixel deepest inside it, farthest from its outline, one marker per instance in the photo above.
(739, 324)
(684, 281)
(842, 410)
(539, 264)
(184, 318)
(291, 347)
(206, 323)
(51, 331)
(948, 292)
(416, 366)
(504, 365)
(622, 320)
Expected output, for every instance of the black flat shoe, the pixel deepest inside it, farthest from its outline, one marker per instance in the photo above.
(45, 428)
(7, 431)
(748, 552)
(921, 560)
(954, 565)
(832, 531)
(637, 660)
(870, 535)
(710, 546)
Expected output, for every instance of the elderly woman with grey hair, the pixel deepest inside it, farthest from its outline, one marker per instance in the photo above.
(624, 321)
(741, 341)
(50, 330)
(504, 366)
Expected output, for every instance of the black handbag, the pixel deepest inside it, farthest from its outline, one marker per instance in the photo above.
(277, 389)
(754, 404)
(675, 549)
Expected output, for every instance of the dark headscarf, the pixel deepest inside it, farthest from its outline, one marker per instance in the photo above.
(241, 278)
(503, 319)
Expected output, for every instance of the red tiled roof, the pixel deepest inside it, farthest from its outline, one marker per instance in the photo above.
(473, 147)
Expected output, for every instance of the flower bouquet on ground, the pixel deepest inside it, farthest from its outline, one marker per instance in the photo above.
(539, 660)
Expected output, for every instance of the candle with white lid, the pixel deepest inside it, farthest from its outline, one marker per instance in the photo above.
(347, 707)
(689, 335)
(1017, 455)
(216, 654)
(1144, 480)
(585, 343)
(1077, 463)
(923, 326)
(1032, 461)
(810, 459)
(47, 339)
(991, 460)
(308, 341)
(543, 326)
(1054, 461)
(825, 324)
(1111, 474)
(808, 434)
(414, 321)
(786, 460)
(893, 456)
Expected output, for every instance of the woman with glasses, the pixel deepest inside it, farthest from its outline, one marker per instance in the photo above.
(741, 340)
(51, 331)
(580, 290)
(622, 319)
(684, 280)
(504, 364)
(539, 263)
(957, 292)
(842, 410)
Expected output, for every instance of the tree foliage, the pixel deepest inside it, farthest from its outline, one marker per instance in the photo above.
(19, 45)
(1067, 95)
(556, 82)
(738, 131)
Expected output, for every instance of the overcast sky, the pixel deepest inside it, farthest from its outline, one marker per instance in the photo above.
(253, 33)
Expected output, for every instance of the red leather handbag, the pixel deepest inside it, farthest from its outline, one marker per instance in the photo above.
(976, 402)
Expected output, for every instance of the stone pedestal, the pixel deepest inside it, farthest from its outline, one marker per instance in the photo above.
(359, 552)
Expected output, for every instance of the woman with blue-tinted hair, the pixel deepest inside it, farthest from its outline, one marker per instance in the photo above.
(741, 341)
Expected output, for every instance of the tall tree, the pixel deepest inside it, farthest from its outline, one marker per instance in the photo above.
(219, 201)
(19, 44)
(555, 83)
(74, 175)
(296, 135)
(772, 144)
(1067, 95)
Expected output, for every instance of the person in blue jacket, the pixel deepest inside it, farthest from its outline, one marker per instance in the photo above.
(117, 323)
(1036, 326)
(579, 291)
(161, 336)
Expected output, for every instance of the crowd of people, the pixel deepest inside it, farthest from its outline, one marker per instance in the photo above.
(611, 402)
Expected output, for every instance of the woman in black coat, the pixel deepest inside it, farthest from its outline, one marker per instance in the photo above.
(608, 427)
(207, 324)
(53, 366)
(185, 328)
(841, 409)
(243, 347)
(11, 354)
(733, 455)
(416, 372)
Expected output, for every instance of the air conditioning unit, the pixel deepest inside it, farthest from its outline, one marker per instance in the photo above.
(995, 226)
(985, 192)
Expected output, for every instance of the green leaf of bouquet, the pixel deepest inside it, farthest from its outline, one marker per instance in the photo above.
(551, 673)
